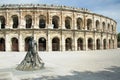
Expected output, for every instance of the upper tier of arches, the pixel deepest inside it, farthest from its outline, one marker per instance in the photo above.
(55, 19)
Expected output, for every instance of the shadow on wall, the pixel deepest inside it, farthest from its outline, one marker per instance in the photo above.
(112, 73)
(118, 44)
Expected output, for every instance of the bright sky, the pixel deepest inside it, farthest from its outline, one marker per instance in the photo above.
(109, 8)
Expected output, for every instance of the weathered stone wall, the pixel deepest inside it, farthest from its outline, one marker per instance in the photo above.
(94, 32)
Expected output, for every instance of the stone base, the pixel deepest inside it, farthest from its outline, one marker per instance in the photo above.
(31, 62)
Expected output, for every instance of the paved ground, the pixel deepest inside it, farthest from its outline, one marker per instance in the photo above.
(79, 65)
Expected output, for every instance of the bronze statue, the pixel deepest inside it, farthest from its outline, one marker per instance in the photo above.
(32, 61)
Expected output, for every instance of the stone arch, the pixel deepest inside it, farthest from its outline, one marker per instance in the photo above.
(79, 23)
(42, 44)
(103, 25)
(2, 22)
(109, 43)
(80, 44)
(28, 19)
(15, 21)
(90, 43)
(113, 44)
(42, 21)
(55, 44)
(27, 39)
(104, 44)
(112, 28)
(68, 22)
(98, 44)
(68, 44)
(2, 44)
(55, 22)
(108, 27)
(15, 46)
(89, 24)
(97, 25)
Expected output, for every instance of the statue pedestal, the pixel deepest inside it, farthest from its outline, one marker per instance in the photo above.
(31, 62)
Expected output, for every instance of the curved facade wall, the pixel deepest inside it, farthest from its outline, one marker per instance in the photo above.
(55, 28)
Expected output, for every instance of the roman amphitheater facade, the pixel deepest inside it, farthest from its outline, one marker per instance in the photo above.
(55, 28)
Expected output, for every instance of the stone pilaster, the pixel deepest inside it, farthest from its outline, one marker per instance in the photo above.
(21, 43)
(49, 43)
(101, 42)
(63, 43)
(76, 44)
(7, 43)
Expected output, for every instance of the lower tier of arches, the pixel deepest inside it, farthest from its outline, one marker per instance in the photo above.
(56, 40)
(57, 44)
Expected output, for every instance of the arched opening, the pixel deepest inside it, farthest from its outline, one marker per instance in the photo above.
(113, 44)
(109, 43)
(55, 44)
(97, 25)
(108, 27)
(90, 44)
(2, 44)
(68, 44)
(28, 19)
(89, 24)
(112, 28)
(15, 21)
(27, 43)
(98, 44)
(2, 22)
(55, 21)
(104, 44)
(14, 44)
(42, 22)
(80, 44)
(103, 25)
(68, 22)
(79, 23)
(42, 44)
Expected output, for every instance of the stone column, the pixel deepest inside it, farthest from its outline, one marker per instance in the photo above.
(75, 44)
(94, 41)
(22, 22)
(107, 43)
(60, 43)
(85, 22)
(63, 43)
(49, 43)
(101, 42)
(10, 23)
(0, 24)
(116, 42)
(7, 42)
(63, 21)
(21, 43)
(47, 20)
(94, 44)
(73, 41)
(50, 25)
(100, 25)
(19, 18)
(36, 39)
(74, 22)
(84, 42)
(7, 20)
(35, 21)
(93, 24)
